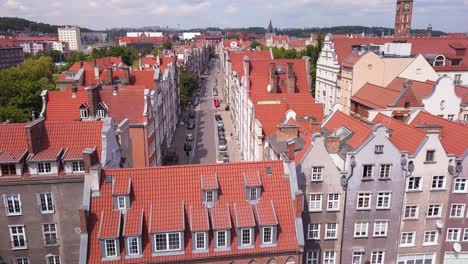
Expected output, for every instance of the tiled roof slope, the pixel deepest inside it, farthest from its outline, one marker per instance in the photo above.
(177, 185)
(237, 58)
(374, 96)
(360, 131)
(454, 137)
(88, 67)
(13, 137)
(403, 136)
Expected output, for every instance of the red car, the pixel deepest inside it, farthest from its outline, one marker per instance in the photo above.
(216, 103)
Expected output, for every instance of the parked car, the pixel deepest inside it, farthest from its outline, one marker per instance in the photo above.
(220, 128)
(221, 137)
(221, 133)
(222, 145)
(218, 117)
(192, 114)
(189, 137)
(215, 93)
(219, 123)
(191, 125)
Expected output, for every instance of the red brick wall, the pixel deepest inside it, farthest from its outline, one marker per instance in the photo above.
(268, 259)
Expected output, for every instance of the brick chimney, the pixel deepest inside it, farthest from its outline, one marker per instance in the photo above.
(74, 90)
(90, 158)
(127, 75)
(34, 131)
(291, 82)
(110, 75)
(83, 221)
(332, 144)
(93, 99)
(286, 132)
(298, 203)
(291, 146)
(407, 84)
(273, 78)
(314, 126)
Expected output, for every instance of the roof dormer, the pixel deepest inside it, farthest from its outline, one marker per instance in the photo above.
(253, 187)
(11, 162)
(132, 233)
(45, 162)
(167, 226)
(268, 223)
(109, 235)
(121, 193)
(101, 110)
(210, 187)
(84, 111)
(199, 226)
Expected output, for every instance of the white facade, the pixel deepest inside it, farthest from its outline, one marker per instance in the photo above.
(190, 35)
(458, 77)
(72, 36)
(148, 34)
(443, 101)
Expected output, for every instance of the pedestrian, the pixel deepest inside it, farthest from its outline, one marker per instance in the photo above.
(231, 135)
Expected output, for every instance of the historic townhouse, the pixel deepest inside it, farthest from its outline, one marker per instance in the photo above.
(41, 184)
(242, 212)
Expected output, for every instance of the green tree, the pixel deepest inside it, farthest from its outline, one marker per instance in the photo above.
(187, 84)
(255, 44)
(167, 45)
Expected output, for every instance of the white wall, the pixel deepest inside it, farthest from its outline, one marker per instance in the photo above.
(443, 101)
(463, 76)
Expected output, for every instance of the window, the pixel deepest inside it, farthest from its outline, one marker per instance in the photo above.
(315, 203)
(331, 231)
(360, 229)
(312, 257)
(453, 234)
(13, 204)
(111, 250)
(53, 259)
(383, 200)
(457, 210)
(329, 257)
(209, 196)
(221, 239)
(465, 118)
(78, 166)
(450, 117)
(133, 245)
(47, 205)
(316, 173)
(246, 237)
(407, 239)
(84, 113)
(44, 167)
(460, 186)
(430, 238)
(314, 231)
(378, 149)
(333, 202)
(50, 234)
(438, 182)
(364, 201)
(121, 202)
(430, 155)
(167, 242)
(434, 210)
(367, 172)
(267, 235)
(377, 257)
(414, 183)
(22, 261)
(465, 235)
(101, 113)
(18, 237)
(358, 257)
(8, 169)
(200, 240)
(385, 171)
(253, 194)
(380, 228)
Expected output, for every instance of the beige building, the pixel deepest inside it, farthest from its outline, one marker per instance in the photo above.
(71, 35)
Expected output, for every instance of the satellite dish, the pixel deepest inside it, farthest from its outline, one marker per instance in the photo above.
(440, 224)
(456, 247)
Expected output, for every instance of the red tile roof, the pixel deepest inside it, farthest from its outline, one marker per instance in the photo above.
(133, 222)
(175, 186)
(237, 59)
(454, 136)
(73, 154)
(122, 186)
(199, 220)
(48, 154)
(403, 136)
(145, 78)
(209, 182)
(88, 67)
(15, 133)
(252, 180)
(13, 156)
(243, 215)
(155, 40)
(109, 225)
(374, 96)
(265, 212)
(360, 131)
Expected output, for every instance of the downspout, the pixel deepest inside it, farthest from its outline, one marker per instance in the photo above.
(344, 183)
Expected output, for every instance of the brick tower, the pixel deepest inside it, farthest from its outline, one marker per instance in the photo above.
(404, 14)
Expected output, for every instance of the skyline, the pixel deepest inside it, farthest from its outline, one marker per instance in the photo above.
(227, 14)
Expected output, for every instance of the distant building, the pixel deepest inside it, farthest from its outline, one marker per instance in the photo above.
(403, 17)
(72, 35)
(148, 34)
(190, 35)
(10, 55)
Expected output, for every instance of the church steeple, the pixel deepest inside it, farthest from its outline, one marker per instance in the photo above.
(270, 28)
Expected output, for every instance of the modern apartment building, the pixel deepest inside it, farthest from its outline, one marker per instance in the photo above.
(71, 35)
(10, 55)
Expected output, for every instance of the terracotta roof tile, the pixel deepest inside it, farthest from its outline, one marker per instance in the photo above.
(243, 215)
(221, 217)
(266, 214)
(48, 154)
(360, 131)
(374, 96)
(12, 155)
(16, 135)
(73, 154)
(209, 182)
(199, 220)
(109, 226)
(252, 180)
(167, 216)
(122, 186)
(133, 222)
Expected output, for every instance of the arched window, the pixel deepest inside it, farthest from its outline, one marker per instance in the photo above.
(439, 61)
(253, 262)
(272, 261)
(290, 260)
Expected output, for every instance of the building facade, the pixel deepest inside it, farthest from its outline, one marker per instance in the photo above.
(71, 35)
(403, 18)
(10, 55)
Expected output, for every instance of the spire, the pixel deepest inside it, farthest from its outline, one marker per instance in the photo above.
(270, 28)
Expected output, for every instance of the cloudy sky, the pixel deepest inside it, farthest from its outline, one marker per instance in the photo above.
(446, 15)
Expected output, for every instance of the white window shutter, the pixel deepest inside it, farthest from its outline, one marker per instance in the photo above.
(5, 204)
(53, 201)
(38, 200)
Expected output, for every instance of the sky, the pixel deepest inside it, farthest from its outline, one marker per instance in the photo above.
(445, 15)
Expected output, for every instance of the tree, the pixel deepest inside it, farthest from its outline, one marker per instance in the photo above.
(167, 45)
(255, 44)
(187, 85)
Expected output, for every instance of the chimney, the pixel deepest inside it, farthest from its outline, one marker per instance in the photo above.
(127, 75)
(110, 75)
(291, 146)
(81, 64)
(34, 131)
(89, 158)
(74, 90)
(93, 99)
(291, 82)
(273, 78)
(96, 72)
(115, 89)
(332, 144)
(139, 61)
(315, 127)
(286, 132)
(158, 60)
(298, 203)
(407, 84)
(83, 221)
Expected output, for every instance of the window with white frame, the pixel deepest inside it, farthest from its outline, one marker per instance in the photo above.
(384, 200)
(44, 167)
(312, 257)
(47, 204)
(438, 183)
(78, 166)
(333, 203)
(21, 261)
(360, 229)
(316, 173)
(329, 257)
(378, 149)
(358, 256)
(253, 194)
(221, 239)
(430, 238)
(385, 171)
(18, 237)
(13, 204)
(200, 240)
(453, 234)
(110, 248)
(407, 239)
(414, 183)
(434, 210)
(411, 212)
(246, 237)
(380, 228)
(367, 171)
(53, 259)
(167, 242)
(133, 244)
(84, 113)
(101, 113)
(267, 235)
(331, 231)
(364, 201)
(121, 202)
(460, 186)
(465, 235)
(313, 231)
(451, 117)
(209, 196)
(315, 202)
(50, 234)
(430, 155)
(377, 257)
(457, 210)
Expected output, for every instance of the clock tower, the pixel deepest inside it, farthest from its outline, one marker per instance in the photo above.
(404, 14)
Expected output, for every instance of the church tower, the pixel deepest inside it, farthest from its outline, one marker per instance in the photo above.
(404, 14)
(270, 28)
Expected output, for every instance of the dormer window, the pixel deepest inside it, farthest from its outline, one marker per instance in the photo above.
(379, 149)
(133, 245)
(101, 113)
(44, 167)
(121, 192)
(78, 166)
(210, 196)
(439, 61)
(210, 188)
(253, 185)
(84, 113)
(254, 194)
(111, 249)
(121, 202)
(267, 235)
(8, 169)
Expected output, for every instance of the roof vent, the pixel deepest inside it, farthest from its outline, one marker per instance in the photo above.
(269, 171)
(108, 179)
